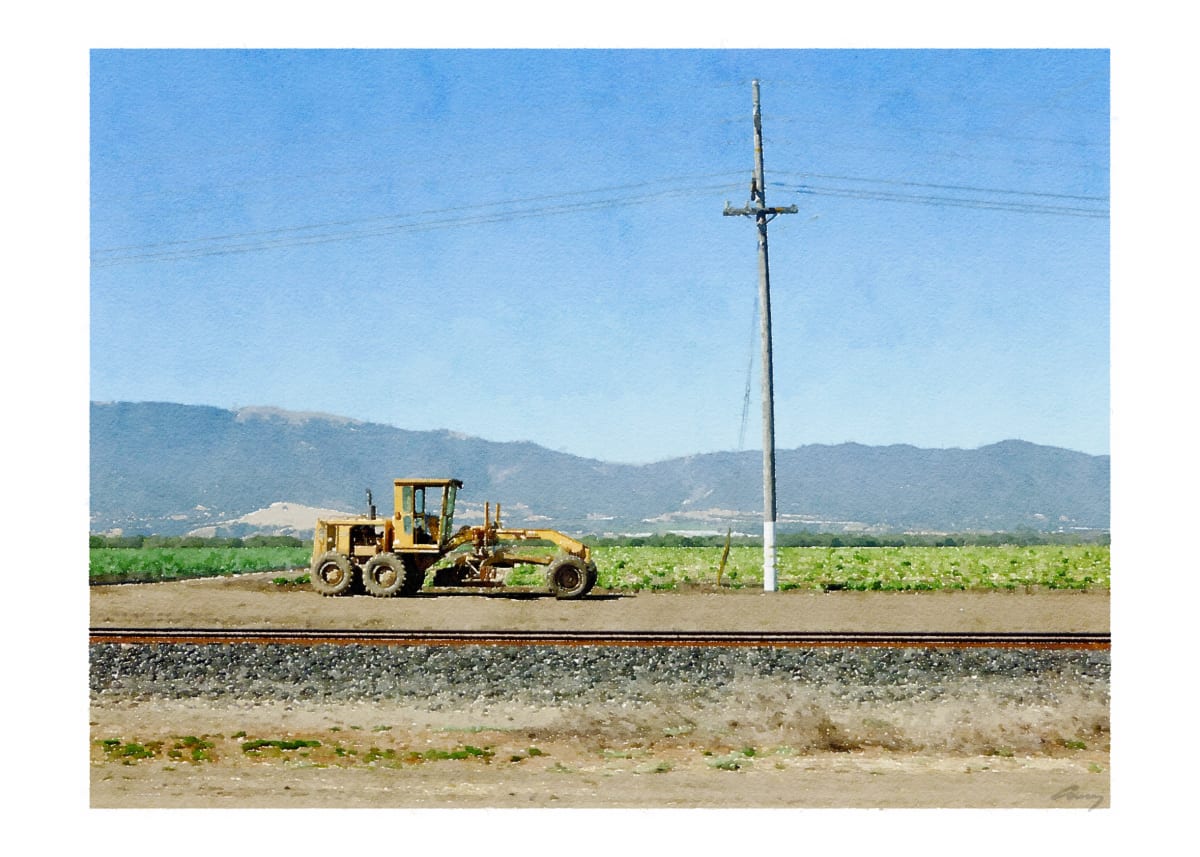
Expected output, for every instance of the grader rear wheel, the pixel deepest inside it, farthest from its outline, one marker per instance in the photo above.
(332, 574)
(384, 575)
(569, 578)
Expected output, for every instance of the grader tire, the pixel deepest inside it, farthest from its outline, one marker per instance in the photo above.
(332, 574)
(384, 575)
(592, 574)
(568, 577)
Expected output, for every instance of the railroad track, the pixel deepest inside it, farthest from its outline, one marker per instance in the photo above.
(791, 639)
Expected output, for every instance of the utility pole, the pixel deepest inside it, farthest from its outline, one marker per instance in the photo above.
(757, 208)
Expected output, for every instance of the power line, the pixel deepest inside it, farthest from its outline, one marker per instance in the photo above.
(951, 201)
(320, 233)
(947, 186)
(433, 211)
(419, 226)
(749, 376)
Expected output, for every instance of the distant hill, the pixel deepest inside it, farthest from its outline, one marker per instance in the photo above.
(171, 469)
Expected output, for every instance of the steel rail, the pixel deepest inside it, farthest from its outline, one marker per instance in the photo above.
(790, 639)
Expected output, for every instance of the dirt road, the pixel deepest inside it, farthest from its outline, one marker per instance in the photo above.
(253, 601)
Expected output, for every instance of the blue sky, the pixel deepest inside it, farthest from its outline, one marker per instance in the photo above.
(528, 245)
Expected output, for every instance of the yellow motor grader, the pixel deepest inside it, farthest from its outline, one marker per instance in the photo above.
(390, 556)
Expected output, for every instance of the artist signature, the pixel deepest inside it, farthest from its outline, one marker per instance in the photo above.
(1072, 793)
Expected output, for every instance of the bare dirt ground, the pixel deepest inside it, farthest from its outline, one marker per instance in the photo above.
(253, 601)
(401, 754)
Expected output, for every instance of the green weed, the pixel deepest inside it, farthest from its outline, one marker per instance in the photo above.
(732, 761)
(376, 755)
(466, 752)
(273, 744)
(726, 763)
(301, 580)
(129, 752)
(193, 748)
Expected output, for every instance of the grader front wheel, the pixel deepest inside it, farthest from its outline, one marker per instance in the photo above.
(570, 577)
(332, 574)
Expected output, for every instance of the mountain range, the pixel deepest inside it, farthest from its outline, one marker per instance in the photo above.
(172, 469)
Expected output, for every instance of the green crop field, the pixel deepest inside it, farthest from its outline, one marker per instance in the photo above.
(110, 565)
(668, 568)
(877, 568)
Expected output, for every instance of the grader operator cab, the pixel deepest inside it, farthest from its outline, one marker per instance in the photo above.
(390, 556)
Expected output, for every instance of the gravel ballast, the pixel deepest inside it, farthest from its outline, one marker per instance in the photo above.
(580, 675)
(963, 701)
